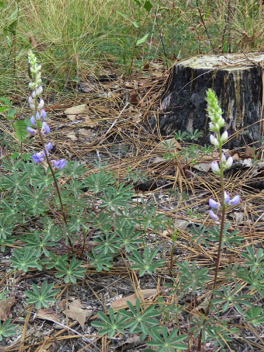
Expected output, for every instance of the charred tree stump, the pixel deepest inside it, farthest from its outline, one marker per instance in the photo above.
(237, 82)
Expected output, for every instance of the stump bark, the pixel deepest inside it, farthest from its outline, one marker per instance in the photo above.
(237, 82)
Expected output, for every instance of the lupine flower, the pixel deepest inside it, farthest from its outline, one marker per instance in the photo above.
(30, 130)
(213, 215)
(49, 146)
(38, 157)
(213, 203)
(227, 197)
(45, 128)
(235, 200)
(43, 114)
(59, 164)
(32, 120)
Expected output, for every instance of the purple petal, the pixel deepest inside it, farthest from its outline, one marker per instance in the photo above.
(59, 164)
(37, 116)
(227, 197)
(43, 114)
(213, 215)
(213, 203)
(32, 120)
(30, 130)
(235, 200)
(38, 157)
(49, 146)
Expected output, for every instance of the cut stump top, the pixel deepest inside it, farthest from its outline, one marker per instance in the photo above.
(228, 62)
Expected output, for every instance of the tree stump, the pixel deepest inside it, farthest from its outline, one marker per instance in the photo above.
(237, 82)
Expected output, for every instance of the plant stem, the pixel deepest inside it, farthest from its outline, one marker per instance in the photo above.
(219, 242)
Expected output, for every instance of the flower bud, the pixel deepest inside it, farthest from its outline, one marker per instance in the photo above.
(229, 162)
(214, 166)
(41, 104)
(214, 140)
(224, 136)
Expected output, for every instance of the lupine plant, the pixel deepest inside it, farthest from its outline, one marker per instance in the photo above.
(98, 208)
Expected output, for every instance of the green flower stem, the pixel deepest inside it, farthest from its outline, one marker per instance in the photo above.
(220, 237)
(52, 172)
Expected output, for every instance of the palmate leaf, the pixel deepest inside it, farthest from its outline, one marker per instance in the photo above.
(7, 330)
(111, 325)
(70, 273)
(167, 342)
(43, 297)
(20, 130)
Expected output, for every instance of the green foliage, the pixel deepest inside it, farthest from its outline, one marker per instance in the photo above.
(165, 341)
(191, 277)
(146, 263)
(7, 329)
(23, 259)
(70, 272)
(140, 321)
(111, 325)
(43, 297)
(228, 296)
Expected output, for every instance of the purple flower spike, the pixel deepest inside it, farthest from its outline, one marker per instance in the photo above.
(213, 215)
(235, 200)
(38, 157)
(43, 114)
(227, 197)
(32, 120)
(213, 203)
(59, 164)
(30, 130)
(45, 128)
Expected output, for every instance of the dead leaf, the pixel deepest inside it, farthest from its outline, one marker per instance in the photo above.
(48, 314)
(83, 132)
(205, 167)
(181, 224)
(132, 298)
(76, 312)
(146, 66)
(73, 112)
(134, 98)
(250, 153)
(72, 136)
(5, 306)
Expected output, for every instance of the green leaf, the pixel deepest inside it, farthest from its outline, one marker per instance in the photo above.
(143, 39)
(3, 108)
(148, 6)
(20, 130)
(11, 113)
